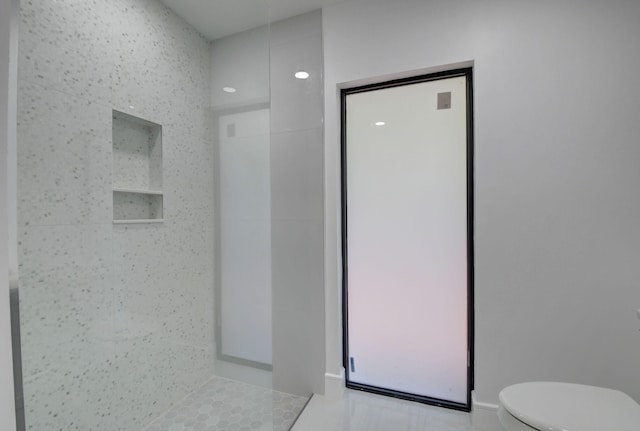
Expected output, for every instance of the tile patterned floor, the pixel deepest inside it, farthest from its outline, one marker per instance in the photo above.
(228, 405)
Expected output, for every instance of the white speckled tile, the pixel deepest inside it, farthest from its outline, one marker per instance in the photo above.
(139, 297)
(88, 389)
(48, 31)
(156, 71)
(190, 324)
(155, 370)
(61, 265)
(189, 178)
(64, 158)
(67, 300)
(144, 284)
(156, 284)
(228, 405)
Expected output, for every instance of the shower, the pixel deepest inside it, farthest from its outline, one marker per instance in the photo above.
(170, 215)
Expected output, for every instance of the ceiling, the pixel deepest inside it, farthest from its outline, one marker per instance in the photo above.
(219, 18)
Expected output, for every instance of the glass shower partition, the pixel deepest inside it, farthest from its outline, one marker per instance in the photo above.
(144, 220)
(268, 138)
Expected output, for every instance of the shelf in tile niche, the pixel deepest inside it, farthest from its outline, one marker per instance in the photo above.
(138, 191)
(137, 207)
(137, 170)
(159, 220)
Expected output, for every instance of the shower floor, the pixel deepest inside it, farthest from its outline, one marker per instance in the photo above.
(228, 405)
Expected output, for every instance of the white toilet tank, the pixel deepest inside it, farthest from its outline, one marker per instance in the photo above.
(552, 406)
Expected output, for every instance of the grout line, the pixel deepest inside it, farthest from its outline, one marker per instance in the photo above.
(177, 403)
(300, 413)
(215, 377)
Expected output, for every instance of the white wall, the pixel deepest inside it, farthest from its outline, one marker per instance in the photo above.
(556, 184)
(8, 40)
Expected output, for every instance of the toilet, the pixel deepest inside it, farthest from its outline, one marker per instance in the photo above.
(553, 406)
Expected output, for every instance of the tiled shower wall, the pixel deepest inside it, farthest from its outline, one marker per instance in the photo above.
(117, 320)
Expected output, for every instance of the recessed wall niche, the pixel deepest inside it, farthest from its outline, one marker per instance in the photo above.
(137, 170)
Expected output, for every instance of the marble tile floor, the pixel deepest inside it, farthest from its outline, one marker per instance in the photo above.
(361, 411)
(228, 405)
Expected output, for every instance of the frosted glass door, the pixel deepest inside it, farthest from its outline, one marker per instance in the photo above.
(406, 240)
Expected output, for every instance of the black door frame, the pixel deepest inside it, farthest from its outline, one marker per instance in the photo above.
(468, 73)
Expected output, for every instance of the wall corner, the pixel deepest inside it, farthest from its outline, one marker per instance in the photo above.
(334, 386)
(484, 416)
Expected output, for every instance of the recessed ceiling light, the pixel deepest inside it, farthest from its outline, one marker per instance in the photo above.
(132, 107)
(301, 75)
(229, 90)
(379, 123)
